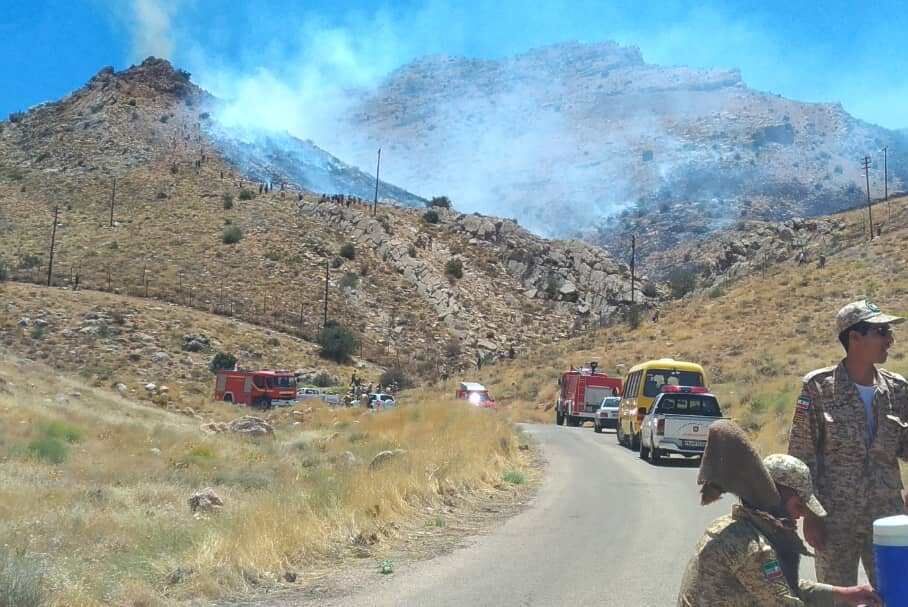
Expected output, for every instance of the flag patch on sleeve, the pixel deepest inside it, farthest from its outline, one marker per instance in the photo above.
(772, 571)
(803, 403)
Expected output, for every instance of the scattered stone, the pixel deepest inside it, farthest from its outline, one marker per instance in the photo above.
(196, 343)
(205, 500)
(24, 322)
(122, 389)
(160, 357)
(383, 457)
(150, 387)
(155, 451)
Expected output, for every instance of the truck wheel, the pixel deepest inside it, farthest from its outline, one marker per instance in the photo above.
(655, 456)
(619, 435)
(597, 428)
(635, 442)
(228, 398)
(559, 418)
(644, 452)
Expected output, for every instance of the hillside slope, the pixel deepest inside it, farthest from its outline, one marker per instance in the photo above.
(139, 138)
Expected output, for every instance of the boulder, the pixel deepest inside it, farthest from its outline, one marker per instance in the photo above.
(205, 500)
(383, 457)
(160, 357)
(251, 426)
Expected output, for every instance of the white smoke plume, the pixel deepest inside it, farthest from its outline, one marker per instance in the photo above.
(151, 23)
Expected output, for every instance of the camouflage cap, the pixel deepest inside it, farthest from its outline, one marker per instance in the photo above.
(863, 311)
(789, 471)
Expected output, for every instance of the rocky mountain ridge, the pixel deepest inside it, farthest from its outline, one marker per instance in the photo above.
(579, 139)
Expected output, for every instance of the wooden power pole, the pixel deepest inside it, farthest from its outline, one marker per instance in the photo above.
(113, 196)
(53, 239)
(377, 168)
(633, 263)
(866, 164)
(325, 313)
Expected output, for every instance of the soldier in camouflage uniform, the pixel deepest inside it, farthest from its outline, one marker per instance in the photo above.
(850, 426)
(750, 558)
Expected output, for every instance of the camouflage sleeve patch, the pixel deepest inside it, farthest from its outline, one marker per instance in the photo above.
(772, 571)
(762, 578)
(802, 406)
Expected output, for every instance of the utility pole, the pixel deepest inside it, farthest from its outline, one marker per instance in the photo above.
(377, 168)
(113, 196)
(53, 238)
(325, 313)
(633, 263)
(866, 164)
(886, 183)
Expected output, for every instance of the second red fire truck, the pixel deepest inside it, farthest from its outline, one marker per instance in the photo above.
(580, 393)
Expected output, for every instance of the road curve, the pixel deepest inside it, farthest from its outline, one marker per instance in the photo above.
(605, 529)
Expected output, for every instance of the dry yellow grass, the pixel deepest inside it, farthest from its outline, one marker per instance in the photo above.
(94, 488)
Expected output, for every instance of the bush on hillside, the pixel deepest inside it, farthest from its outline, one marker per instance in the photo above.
(228, 201)
(348, 250)
(682, 281)
(246, 194)
(649, 289)
(350, 280)
(323, 379)
(21, 580)
(4, 271)
(232, 234)
(337, 342)
(454, 268)
(441, 202)
(395, 376)
(430, 216)
(222, 361)
(634, 315)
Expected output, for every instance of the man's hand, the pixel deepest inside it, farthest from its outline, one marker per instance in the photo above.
(858, 595)
(815, 531)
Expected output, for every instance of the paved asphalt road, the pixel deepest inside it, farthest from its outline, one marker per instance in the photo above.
(605, 529)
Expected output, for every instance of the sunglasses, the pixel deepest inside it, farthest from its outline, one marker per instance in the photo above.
(882, 330)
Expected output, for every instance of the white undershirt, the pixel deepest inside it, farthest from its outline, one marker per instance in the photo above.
(866, 393)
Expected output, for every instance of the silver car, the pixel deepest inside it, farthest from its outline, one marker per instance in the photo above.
(607, 414)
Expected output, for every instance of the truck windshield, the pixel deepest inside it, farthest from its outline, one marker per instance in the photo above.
(690, 404)
(657, 378)
(282, 381)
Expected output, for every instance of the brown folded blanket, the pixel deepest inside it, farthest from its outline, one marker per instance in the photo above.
(731, 464)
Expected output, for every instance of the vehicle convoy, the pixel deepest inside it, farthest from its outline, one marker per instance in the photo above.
(581, 393)
(678, 422)
(642, 385)
(255, 388)
(476, 393)
(607, 414)
(318, 394)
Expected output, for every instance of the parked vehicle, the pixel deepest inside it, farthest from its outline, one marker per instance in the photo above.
(581, 392)
(477, 394)
(255, 388)
(678, 422)
(642, 385)
(607, 415)
(318, 394)
(381, 401)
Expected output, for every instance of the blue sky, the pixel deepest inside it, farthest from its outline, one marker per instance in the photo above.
(845, 52)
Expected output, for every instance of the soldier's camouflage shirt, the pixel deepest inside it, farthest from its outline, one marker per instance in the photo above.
(736, 566)
(855, 481)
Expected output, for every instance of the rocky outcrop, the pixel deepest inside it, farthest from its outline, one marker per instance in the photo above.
(205, 501)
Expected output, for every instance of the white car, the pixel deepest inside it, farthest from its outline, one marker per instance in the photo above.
(607, 413)
(381, 401)
(678, 422)
(317, 394)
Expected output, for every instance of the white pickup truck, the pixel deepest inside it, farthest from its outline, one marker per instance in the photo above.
(678, 422)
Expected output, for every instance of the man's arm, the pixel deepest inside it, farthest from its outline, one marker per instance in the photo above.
(761, 575)
(805, 431)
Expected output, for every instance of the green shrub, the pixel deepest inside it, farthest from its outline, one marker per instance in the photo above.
(649, 289)
(337, 262)
(454, 268)
(62, 431)
(232, 235)
(634, 315)
(350, 280)
(715, 292)
(348, 250)
(515, 477)
(430, 216)
(395, 376)
(37, 332)
(323, 379)
(552, 286)
(337, 342)
(222, 361)
(4, 271)
(48, 449)
(246, 194)
(164, 118)
(682, 281)
(21, 580)
(26, 262)
(228, 201)
(441, 202)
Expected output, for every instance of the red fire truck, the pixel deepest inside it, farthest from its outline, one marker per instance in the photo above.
(581, 392)
(255, 388)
